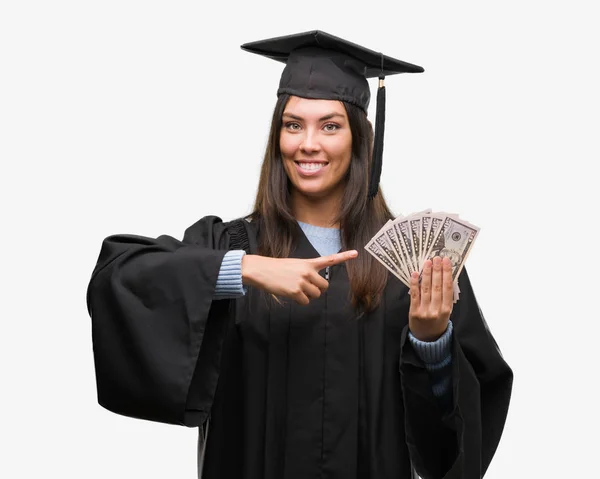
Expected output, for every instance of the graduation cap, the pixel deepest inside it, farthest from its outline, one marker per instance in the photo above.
(322, 66)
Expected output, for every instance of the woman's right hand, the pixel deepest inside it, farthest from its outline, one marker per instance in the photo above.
(293, 278)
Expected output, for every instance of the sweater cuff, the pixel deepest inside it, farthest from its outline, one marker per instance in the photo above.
(229, 281)
(434, 354)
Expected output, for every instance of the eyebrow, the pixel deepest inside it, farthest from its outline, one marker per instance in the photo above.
(323, 118)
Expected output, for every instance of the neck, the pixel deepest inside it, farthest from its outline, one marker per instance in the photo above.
(316, 211)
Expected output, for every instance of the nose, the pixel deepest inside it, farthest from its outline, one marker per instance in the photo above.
(310, 142)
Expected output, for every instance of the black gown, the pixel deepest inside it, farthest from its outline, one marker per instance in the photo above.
(292, 392)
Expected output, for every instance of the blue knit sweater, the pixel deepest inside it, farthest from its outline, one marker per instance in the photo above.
(436, 355)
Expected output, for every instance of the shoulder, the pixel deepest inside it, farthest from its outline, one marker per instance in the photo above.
(211, 229)
(243, 233)
(210, 226)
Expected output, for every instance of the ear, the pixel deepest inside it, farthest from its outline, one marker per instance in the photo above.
(371, 125)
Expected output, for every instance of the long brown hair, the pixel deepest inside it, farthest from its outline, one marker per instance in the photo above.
(359, 218)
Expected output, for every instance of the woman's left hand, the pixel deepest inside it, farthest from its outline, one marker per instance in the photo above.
(431, 302)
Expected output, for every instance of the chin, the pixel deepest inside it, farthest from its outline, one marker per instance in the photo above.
(312, 191)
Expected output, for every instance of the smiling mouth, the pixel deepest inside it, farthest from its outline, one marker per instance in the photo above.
(311, 166)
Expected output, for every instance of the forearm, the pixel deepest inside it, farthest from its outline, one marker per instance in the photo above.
(437, 358)
(432, 438)
(135, 298)
(229, 281)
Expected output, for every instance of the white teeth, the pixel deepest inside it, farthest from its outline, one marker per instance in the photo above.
(311, 166)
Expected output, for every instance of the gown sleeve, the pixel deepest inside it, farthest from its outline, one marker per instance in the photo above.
(157, 331)
(458, 443)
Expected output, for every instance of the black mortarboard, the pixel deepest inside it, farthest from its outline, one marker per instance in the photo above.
(322, 66)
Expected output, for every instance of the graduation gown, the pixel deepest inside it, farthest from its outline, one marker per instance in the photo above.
(291, 391)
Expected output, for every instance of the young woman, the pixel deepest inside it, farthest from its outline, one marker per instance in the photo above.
(296, 355)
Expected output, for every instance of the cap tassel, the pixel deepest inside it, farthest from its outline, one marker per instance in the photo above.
(377, 162)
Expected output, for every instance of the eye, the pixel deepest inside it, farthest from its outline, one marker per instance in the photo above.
(292, 125)
(331, 127)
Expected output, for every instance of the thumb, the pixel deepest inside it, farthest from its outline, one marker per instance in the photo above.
(330, 260)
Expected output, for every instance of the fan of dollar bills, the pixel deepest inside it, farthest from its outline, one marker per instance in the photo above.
(405, 243)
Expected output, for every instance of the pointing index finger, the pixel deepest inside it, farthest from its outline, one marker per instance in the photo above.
(333, 259)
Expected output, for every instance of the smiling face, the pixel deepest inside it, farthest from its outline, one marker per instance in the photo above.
(316, 146)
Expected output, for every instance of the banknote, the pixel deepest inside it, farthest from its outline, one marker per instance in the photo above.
(404, 244)
(386, 248)
(396, 248)
(380, 256)
(454, 240)
(414, 228)
(402, 230)
(425, 225)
